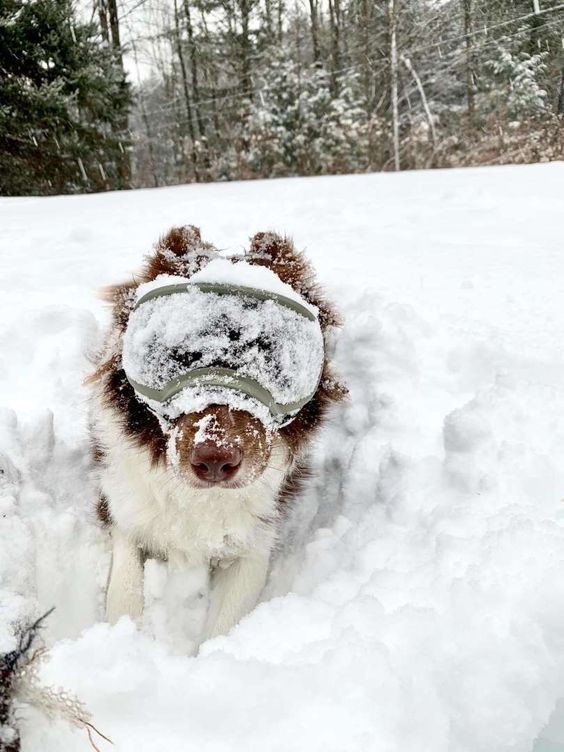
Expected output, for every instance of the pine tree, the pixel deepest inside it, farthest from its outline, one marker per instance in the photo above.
(62, 98)
(298, 127)
(515, 85)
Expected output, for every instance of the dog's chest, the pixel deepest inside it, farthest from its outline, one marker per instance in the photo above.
(169, 518)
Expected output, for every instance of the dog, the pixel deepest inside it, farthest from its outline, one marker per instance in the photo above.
(210, 485)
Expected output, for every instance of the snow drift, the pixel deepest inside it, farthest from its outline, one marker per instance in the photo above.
(417, 602)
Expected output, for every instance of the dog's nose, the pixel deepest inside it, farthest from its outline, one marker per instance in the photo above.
(214, 463)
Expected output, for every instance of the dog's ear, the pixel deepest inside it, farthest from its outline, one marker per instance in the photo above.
(180, 252)
(280, 255)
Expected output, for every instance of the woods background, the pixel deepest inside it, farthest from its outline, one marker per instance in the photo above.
(135, 93)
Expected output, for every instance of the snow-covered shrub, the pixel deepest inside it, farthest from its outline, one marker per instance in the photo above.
(300, 125)
(514, 86)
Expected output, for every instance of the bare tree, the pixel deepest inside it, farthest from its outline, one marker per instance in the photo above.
(470, 85)
(314, 27)
(100, 7)
(186, 90)
(408, 64)
(390, 65)
(560, 106)
(245, 7)
(194, 67)
(392, 21)
(335, 22)
(110, 15)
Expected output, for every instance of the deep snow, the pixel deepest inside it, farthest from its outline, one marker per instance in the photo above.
(418, 600)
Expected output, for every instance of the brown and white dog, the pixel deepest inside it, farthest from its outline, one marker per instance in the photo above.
(166, 493)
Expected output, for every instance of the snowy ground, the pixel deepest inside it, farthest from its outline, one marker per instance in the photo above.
(418, 603)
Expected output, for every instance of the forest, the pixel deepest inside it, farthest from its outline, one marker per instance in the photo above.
(143, 93)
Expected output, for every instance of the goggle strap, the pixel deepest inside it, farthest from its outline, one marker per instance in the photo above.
(225, 378)
(226, 289)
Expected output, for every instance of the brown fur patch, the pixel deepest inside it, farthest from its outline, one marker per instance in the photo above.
(294, 483)
(181, 252)
(232, 428)
(121, 297)
(139, 423)
(280, 255)
(97, 453)
(103, 511)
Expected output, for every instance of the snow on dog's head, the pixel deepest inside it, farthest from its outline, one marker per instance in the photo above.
(217, 365)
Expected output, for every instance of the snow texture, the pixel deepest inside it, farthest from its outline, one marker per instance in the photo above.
(162, 280)
(170, 335)
(223, 271)
(230, 271)
(417, 599)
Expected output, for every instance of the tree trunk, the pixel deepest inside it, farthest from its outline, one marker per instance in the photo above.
(365, 47)
(407, 62)
(536, 23)
(560, 107)
(194, 68)
(211, 77)
(246, 80)
(114, 30)
(470, 89)
(280, 5)
(124, 166)
(314, 26)
(186, 90)
(144, 116)
(392, 22)
(298, 43)
(103, 19)
(334, 19)
(268, 20)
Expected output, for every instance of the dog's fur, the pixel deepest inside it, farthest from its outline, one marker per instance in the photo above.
(152, 500)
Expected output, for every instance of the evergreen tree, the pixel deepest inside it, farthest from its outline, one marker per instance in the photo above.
(299, 127)
(62, 102)
(515, 85)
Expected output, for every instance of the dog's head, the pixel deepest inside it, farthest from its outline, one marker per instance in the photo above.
(215, 444)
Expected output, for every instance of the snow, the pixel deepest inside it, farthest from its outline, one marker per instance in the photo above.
(417, 599)
(162, 280)
(223, 271)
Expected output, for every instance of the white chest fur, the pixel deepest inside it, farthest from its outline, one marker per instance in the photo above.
(161, 513)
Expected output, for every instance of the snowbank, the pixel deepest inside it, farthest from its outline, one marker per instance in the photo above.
(418, 600)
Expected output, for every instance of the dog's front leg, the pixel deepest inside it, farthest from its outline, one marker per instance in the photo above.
(124, 596)
(235, 590)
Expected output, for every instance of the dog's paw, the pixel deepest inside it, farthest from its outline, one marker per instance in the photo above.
(124, 602)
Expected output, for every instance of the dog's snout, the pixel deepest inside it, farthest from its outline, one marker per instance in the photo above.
(214, 463)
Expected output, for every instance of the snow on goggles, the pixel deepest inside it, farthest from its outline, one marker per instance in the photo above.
(191, 344)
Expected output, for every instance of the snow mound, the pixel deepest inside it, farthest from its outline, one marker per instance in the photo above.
(237, 272)
(417, 599)
(228, 271)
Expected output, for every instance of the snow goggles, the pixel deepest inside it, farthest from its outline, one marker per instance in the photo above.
(191, 344)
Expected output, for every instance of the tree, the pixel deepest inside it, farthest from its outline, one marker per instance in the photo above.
(515, 83)
(62, 102)
(111, 22)
(298, 128)
(392, 20)
(254, 88)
